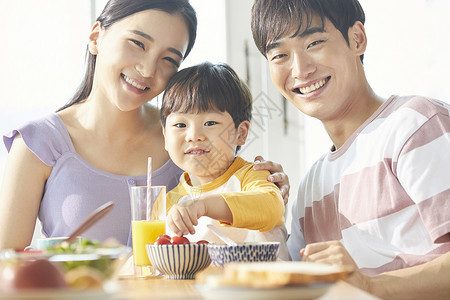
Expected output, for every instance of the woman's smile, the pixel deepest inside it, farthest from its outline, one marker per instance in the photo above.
(132, 86)
(137, 85)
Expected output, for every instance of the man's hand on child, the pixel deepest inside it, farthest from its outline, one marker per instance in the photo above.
(277, 175)
(184, 216)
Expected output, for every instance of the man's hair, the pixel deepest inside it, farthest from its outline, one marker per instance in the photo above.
(205, 87)
(274, 19)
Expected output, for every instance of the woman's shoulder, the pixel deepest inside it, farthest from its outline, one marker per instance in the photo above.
(47, 137)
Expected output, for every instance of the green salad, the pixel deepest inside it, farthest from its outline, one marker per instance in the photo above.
(87, 253)
(77, 247)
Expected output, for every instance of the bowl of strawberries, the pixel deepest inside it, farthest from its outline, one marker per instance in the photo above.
(178, 258)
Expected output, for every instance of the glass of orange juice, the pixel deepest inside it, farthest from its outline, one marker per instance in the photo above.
(148, 221)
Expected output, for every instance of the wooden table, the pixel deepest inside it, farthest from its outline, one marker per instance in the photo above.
(160, 288)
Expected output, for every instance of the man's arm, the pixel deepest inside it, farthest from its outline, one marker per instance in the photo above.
(430, 280)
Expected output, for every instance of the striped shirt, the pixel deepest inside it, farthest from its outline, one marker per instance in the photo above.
(385, 194)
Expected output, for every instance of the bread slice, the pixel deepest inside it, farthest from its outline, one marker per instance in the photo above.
(282, 273)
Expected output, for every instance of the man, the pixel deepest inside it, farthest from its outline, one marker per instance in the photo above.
(380, 199)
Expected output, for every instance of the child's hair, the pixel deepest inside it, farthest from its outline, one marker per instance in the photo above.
(116, 10)
(273, 19)
(205, 87)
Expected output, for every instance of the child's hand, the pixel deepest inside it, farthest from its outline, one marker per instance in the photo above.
(184, 216)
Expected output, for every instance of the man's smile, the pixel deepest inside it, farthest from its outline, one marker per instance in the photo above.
(309, 88)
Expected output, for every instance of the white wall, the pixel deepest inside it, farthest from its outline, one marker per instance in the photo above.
(42, 58)
(409, 47)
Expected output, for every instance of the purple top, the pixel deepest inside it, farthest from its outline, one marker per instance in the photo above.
(75, 188)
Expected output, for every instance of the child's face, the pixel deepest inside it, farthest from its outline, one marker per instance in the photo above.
(203, 144)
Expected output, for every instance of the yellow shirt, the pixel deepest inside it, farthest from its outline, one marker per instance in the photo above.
(256, 205)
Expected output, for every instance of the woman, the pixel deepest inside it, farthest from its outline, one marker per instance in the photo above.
(93, 149)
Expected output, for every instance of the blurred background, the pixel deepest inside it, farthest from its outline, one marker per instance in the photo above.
(43, 48)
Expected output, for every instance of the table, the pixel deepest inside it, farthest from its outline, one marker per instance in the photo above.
(159, 288)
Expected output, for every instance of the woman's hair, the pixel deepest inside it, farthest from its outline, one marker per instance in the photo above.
(273, 19)
(205, 87)
(116, 10)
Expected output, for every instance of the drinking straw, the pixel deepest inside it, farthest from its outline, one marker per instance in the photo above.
(149, 173)
(149, 184)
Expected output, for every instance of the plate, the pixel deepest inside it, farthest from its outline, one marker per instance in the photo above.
(57, 294)
(109, 289)
(243, 293)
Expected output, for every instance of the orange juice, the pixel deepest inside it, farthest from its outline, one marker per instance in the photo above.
(145, 232)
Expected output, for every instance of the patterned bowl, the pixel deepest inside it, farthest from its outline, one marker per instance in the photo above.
(179, 261)
(246, 252)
